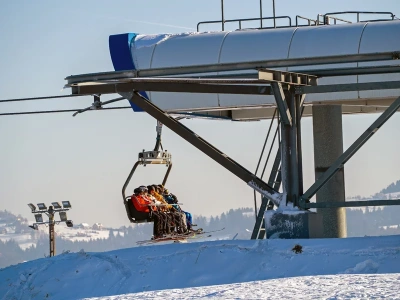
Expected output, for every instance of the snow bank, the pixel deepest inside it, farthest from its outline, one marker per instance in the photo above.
(383, 286)
(177, 266)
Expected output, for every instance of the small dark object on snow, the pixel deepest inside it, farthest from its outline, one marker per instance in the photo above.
(297, 249)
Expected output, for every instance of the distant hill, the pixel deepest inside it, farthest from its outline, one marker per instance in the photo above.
(392, 188)
(392, 191)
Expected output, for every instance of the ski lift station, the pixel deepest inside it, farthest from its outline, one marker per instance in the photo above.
(321, 68)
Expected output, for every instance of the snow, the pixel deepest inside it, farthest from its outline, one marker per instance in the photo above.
(149, 40)
(393, 195)
(390, 227)
(367, 267)
(18, 237)
(81, 234)
(276, 198)
(24, 246)
(316, 287)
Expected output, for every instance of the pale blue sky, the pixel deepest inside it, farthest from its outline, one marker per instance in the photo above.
(86, 159)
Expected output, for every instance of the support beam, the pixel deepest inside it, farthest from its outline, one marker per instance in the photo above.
(261, 113)
(260, 218)
(242, 87)
(237, 66)
(290, 171)
(348, 87)
(191, 137)
(353, 203)
(338, 164)
(281, 103)
(375, 102)
(293, 152)
(286, 77)
(299, 113)
(275, 178)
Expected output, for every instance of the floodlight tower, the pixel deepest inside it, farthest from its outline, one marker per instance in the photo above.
(50, 212)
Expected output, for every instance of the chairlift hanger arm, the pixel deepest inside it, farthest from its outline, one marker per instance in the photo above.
(158, 139)
(205, 147)
(97, 104)
(159, 132)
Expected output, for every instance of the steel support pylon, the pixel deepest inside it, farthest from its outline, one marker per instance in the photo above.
(290, 107)
(287, 167)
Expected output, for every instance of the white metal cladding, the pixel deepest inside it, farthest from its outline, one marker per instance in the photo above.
(319, 41)
(253, 45)
(142, 49)
(186, 50)
(378, 37)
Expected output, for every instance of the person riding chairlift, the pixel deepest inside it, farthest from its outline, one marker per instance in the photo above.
(147, 209)
(160, 210)
(173, 200)
(178, 218)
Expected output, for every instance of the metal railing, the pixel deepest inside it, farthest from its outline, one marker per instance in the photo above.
(307, 19)
(326, 20)
(240, 21)
(322, 19)
(328, 16)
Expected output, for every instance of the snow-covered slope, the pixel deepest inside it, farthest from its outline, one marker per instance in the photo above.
(383, 286)
(208, 264)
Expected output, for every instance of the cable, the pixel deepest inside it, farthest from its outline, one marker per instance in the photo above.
(58, 111)
(97, 105)
(40, 98)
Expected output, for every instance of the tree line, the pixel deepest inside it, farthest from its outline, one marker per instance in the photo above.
(236, 221)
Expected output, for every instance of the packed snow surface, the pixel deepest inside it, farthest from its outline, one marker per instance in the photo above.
(315, 287)
(353, 268)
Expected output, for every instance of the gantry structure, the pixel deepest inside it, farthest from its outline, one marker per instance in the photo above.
(309, 82)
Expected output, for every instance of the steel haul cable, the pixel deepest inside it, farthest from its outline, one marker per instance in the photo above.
(40, 98)
(57, 111)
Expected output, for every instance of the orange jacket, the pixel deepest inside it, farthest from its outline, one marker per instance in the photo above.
(141, 204)
(162, 200)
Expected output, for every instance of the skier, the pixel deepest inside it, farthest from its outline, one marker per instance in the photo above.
(165, 220)
(147, 209)
(173, 200)
(178, 218)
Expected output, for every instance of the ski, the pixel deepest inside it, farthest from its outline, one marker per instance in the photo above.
(172, 237)
(179, 237)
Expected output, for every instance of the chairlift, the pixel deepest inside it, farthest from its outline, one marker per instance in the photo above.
(155, 157)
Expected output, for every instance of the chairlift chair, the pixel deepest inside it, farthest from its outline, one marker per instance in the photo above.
(145, 158)
(155, 157)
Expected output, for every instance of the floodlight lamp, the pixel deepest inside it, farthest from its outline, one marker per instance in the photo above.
(69, 223)
(42, 206)
(32, 207)
(34, 227)
(66, 204)
(39, 218)
(56, 205)
(63, 216)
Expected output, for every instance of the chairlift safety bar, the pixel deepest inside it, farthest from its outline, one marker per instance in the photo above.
(155, 157)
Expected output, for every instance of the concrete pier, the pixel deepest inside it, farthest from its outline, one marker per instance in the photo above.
(328, 146)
